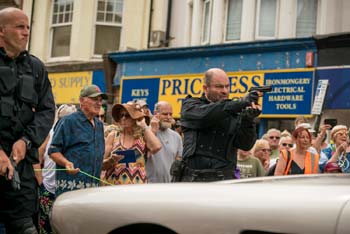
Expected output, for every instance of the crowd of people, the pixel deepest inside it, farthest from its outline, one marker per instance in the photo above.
(303, 151)
(215, 139)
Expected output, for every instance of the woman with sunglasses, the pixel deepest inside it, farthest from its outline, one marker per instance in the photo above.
(338, 151)
(300, 160)
(286, 142)
(127, 147)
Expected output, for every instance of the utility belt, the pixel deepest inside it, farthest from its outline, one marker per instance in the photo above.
(206, 175)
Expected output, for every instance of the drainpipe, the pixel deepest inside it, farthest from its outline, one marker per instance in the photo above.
(168, 24)
(31, 24)
(150, 24)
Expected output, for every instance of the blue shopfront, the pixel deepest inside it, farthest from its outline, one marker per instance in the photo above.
(172, 74)
(337, 100)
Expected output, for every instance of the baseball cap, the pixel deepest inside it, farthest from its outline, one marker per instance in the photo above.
(92, 91)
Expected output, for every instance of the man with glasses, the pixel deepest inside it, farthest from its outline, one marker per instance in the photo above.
(214, 128)
(78, 144)
(273, 137)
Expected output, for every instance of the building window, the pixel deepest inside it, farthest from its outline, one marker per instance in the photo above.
(206, 21)
(267, 15)
(233, 20)
(61, 27)
(108, 26)
(306, 18)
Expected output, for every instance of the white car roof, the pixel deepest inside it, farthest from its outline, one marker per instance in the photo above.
(292, 204)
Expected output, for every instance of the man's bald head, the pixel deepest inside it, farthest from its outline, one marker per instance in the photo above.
(14, 31)
(216, 85)
(7, 15)
(208, 76)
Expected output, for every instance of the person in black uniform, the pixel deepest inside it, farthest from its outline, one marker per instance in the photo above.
(214, 127)
(26, 115)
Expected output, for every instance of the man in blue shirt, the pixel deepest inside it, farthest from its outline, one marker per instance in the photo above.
(78, 144)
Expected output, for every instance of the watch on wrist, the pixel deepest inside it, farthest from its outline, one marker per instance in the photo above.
(27, 142)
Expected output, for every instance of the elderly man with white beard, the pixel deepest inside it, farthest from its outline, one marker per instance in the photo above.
(158, 165)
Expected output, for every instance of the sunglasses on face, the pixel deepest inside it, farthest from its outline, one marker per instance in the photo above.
(274, 137)
(286, 144)
(341, 134)
(126, 115)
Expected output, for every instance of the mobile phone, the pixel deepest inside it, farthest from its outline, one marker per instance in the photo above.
(331, 122)
(129, 155)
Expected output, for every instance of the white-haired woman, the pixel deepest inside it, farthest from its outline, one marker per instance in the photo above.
(46, 177)
(338, 151)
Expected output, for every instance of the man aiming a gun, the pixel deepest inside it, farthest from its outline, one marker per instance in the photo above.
(214, 127)
(27, 112)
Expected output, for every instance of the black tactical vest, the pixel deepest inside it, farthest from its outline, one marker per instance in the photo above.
(18, 95)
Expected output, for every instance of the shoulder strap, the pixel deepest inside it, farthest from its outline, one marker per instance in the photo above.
(288, 163)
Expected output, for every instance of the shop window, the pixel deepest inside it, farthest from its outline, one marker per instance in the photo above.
(108, 26)
(206, 21)
(306, 18)
(266, 18)
(61, 26)
(233, 20)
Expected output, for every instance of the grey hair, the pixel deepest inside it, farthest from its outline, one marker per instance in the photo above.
(273, 130)
(158, 105)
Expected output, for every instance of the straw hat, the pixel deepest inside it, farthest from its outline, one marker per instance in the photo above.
(132, 108)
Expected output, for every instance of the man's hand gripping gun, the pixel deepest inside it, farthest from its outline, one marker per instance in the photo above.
(261, 89)
(15, 181)
(258, 91)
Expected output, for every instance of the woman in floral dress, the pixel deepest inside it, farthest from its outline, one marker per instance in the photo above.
(128, 146)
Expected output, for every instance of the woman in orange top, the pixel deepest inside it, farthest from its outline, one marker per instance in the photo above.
(301, 160)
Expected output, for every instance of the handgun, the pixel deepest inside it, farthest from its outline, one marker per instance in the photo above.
(15, 181)
(263, 89)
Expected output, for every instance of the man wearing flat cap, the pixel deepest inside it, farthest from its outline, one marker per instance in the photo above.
(78, 143)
